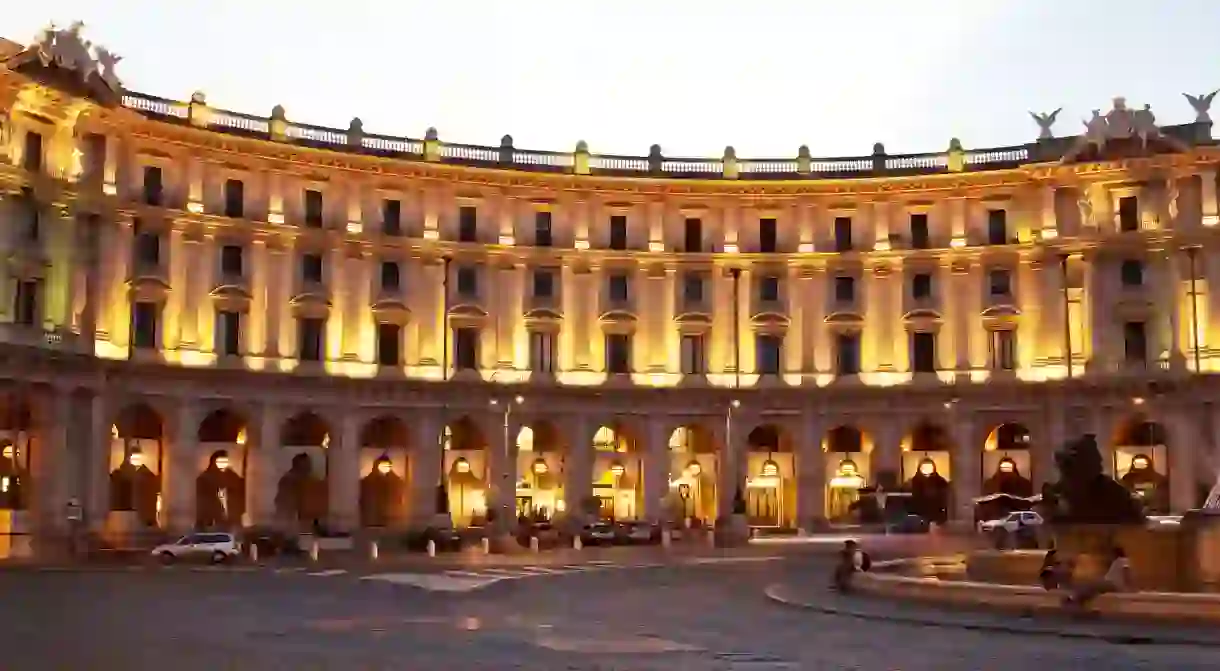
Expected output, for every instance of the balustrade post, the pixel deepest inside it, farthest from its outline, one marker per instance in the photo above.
(956, 156)
(432, 145)
(879, 157)
(731, 169)
(580, 158)
(355, 133)
(277, 125)
(506, 150)
(198, 112)
(804, 162)
(654, 159)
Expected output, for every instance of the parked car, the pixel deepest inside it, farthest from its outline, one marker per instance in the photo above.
(447, 539)
(598, 533)
(638, 532)
(1012, 522)
(214, 547)
(909, 524)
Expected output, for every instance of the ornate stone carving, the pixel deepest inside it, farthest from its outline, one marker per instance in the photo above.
(1084, 494)
(1045, 121)
(1120, 123)
(69, 50)
(1202, 104)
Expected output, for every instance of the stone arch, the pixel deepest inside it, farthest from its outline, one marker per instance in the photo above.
(384, 472)
(847, 449)
(301, 498)
(926, 470)
(465, 469)
(16, 427)
(1139, 459)
(1007, 462)
(616, 473)
(137, 458)
(220, 486)
(770, 484)
(694, 474)
(541, 457)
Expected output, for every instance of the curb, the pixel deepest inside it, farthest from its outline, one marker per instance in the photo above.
(775, 593)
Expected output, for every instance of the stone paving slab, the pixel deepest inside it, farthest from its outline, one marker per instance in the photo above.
(820, 599)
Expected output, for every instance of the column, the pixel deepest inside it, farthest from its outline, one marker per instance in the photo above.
(958, 213)
(343, 474)
(655, 470)
(811, 472)
(1096, 331)
(886, 311)
(669, 339)
(731, 474)
(507, 309)
(175, 332)
(338, 291)
(263, 477)
(1187, 463)
(279, 282)
(881, 225)
(356, 295)
(1046, 442)
(88, 257)
(578, 464)
(966, 469)
(52, 464)
(259, 315)
(806, 234)
(962, 317)
(1170, 289)
(887, 449)
(178, 482)
(197, 310)
(1049, 218)
(426, 464)
(93, 424)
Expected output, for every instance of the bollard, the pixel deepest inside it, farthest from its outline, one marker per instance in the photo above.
(665, 538)
(486, 546)
(533, 543)
(711, 538)
(313, 550)
(254, 552)
(577, 544)
(373, 551)
(431, 548)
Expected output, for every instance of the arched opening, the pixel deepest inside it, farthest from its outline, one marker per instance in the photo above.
(925, 471)
(770, 478)
(847, 450)
(540, 461)
(383, 463)
(466, 472)
(617, 474)
(136, 463)
(16, 424)
(1141, 463)
(220, 489)
(1007, 465)
(694, 468)
(301, 496)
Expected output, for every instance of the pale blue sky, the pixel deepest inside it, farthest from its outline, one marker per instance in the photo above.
(691, 75)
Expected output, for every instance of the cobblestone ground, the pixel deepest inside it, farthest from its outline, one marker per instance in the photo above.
(706, 617)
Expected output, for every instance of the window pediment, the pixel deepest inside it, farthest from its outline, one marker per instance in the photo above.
(543, 320)
(148, 288)
(1000, 317)
(1133, 309)
(843, 323)
(391, 311)
(618, 322)
(309, 304)
(770, 323)
(467, 315)
(231, 298)
(694, 323)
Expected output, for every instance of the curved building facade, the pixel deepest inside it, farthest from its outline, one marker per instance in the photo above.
(212, 318)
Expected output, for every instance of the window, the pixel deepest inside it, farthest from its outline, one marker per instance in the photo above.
(153, 190)
(231, 261)
(1003, 350)
(148, 248)
(921, 286)
(25, 303)
(228, 333)
(1135, 342)
(31, 158)
(468, 224)
(618, 353)
(312, 269)
(1000, 283)
(919, 231)
(923, 352)
(235, 198)
(467, 281)
(391, 276)
(542, 352)
(847, 354)
(767, 237)
(694, 235)
(619, 288)
(389, 337)
(768, 349)
(144, 325)
(311, 338)
(692, 288)
(1131, 273)
(544, 284)
(466, 348)
(94, 168)
(693, 355)
(768, 289)
(618, 231)
(843, 234)
(391, 217)
(997, 227)
(542, 229)
(845, 289)
(313, 208)
(1128, 214)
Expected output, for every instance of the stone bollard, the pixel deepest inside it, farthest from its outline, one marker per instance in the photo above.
(431, 548)
(486, 545)
(577, 544)
(313, 550)
(533, 543)
(711, 538)
(254, 552)
(665, 540)
(374, 551)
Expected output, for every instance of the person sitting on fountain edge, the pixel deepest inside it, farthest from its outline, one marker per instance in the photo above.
(852, 560)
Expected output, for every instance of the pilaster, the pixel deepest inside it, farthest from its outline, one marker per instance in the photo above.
(343, 474)
(178, 480)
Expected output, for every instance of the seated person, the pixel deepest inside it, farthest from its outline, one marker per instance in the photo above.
(852, 560)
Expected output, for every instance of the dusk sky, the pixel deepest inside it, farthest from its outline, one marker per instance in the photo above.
(691, 75)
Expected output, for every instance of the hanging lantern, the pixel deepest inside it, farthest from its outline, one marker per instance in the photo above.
(540, 467)
(770, 469)
(927, 467)
(461, 465)
(384, 466)
(617, 469)
(222, 461)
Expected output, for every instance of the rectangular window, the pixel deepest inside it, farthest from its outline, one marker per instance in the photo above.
(768, 289)
(1128, 214)
(619, 288)
(94, 158)
(25, 303)
(923, 352)
(768, 239)
(231, 262)
(544, 284)
(845, 289)
(693, 355)
(468, 224)
(542, 352)
(389, 340)
(542, 229)
(692, 288)
(311, 338)
(1000, 282)
(847, 354)
(1135, 342)
(467, 282)
(391, 276)
(997, 227)
(1131, 273)
(921, 286)
(1003, 350)
(391, 217)
(693, 238)
(312, 269)
(466, 348)
(769, 351)
(153, 190)
(31, 158)
(920, 239)
(144, 325)
(235, 198)
(618, 353)
(618, 232)
(842, 232)
(313, 208)
(228, 333)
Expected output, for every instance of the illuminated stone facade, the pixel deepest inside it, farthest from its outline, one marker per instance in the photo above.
(646, 334)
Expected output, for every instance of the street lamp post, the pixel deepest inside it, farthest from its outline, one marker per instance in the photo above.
(738, 495)
(502, 516)
(442, 493)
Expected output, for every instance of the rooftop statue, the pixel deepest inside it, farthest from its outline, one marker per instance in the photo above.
(69, 50)
(1045, 121)
(1202, 104)
(1084, 494)
(1120, 123)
